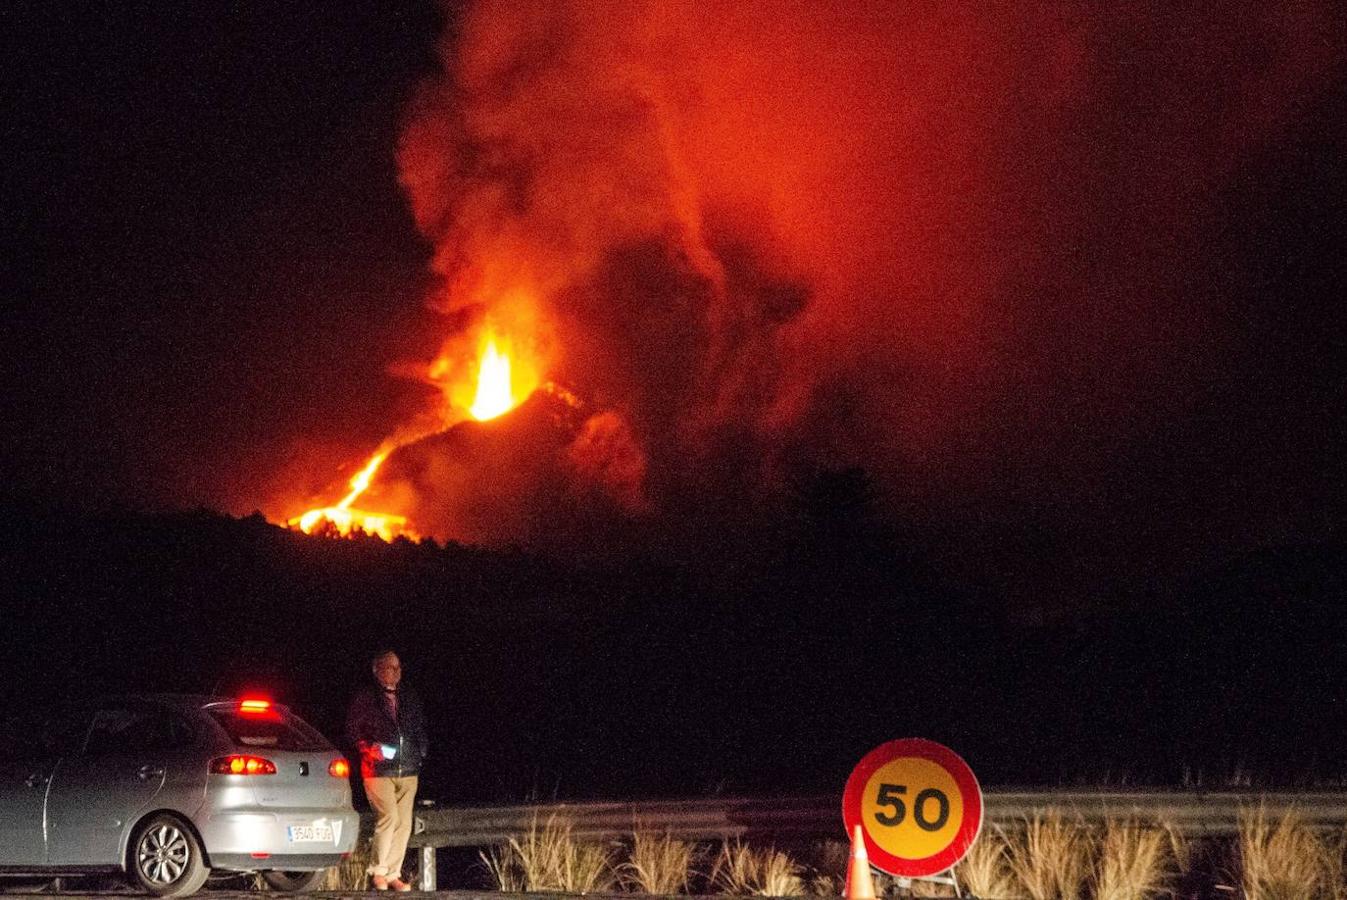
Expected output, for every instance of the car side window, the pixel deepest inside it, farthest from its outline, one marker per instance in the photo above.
(62, 733)
(123, 730)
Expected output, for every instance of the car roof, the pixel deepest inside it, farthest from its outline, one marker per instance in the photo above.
(176, 701)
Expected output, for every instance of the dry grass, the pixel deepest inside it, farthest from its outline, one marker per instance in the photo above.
(1135, 860)
(549, 858)
(986, 871)
(1335, 867)
(823, 886)
(744, 872)
(1050, 858)
(826, 870)
(1281, 860)
(352, 874)
(659, 864)
(506, 871)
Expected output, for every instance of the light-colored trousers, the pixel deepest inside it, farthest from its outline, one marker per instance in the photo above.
(392, 800)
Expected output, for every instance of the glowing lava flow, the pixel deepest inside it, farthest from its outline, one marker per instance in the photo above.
(362, 480)
(347, 520)
(494, 396)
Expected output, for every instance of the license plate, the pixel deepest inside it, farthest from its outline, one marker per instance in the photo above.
(315, 833)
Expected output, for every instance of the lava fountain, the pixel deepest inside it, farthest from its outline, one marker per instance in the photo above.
(495, 395)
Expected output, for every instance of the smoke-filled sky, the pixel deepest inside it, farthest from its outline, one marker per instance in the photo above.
(1063, 279)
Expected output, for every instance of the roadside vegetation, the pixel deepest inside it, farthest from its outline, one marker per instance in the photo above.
(1048, 857)
(548, 857)
(1283, 859)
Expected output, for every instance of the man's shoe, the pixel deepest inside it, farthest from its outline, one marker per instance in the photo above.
(378, 882)
(398, 884)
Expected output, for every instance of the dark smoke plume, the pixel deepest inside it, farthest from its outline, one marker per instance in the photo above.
(960, 245)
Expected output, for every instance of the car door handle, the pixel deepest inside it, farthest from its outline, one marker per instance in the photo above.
(145, 773)
(35, 779)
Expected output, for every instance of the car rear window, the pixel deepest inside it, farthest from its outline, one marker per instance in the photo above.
(274, 729)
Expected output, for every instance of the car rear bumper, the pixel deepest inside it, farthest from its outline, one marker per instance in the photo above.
(242, 834)
(284, 862)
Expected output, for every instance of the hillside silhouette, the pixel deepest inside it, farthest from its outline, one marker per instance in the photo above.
(760, 672)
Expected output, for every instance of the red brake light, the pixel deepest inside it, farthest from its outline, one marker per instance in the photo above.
(254, 705)
(240, 764)
(339, 768)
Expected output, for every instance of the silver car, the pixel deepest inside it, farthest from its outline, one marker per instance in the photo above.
(169, 789)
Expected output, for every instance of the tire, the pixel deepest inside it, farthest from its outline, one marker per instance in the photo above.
(294, 882)
(166, 858)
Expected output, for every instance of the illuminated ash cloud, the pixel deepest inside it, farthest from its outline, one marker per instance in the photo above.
(951, 243)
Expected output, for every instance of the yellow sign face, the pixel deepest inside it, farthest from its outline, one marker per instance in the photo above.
(912, 807)
(918, 805)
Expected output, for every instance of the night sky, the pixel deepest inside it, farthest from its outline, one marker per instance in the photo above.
(1065, 286)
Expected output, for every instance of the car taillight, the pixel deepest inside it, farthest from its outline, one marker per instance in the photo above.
(240, 764)
(339, 768)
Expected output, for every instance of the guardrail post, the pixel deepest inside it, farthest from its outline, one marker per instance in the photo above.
(425, 881)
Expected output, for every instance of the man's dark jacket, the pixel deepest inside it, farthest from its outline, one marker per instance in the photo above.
(368, 725)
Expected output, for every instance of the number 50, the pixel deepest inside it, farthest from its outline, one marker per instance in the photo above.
(891, 795)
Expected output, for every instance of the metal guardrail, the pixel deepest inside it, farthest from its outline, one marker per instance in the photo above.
(1192, 812)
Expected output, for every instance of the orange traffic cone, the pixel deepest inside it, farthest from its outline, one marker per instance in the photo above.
(860, 885)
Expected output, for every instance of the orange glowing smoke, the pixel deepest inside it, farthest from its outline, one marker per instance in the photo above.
(782, 235)
(493, 393)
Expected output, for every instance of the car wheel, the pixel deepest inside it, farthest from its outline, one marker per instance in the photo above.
(294, 881)
(166, 858)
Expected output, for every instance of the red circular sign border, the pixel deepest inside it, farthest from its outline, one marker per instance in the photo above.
(970, 791)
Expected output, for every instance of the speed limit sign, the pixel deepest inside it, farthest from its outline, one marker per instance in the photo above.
(918, 805)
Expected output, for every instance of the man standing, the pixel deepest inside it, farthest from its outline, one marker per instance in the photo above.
(387, 726)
